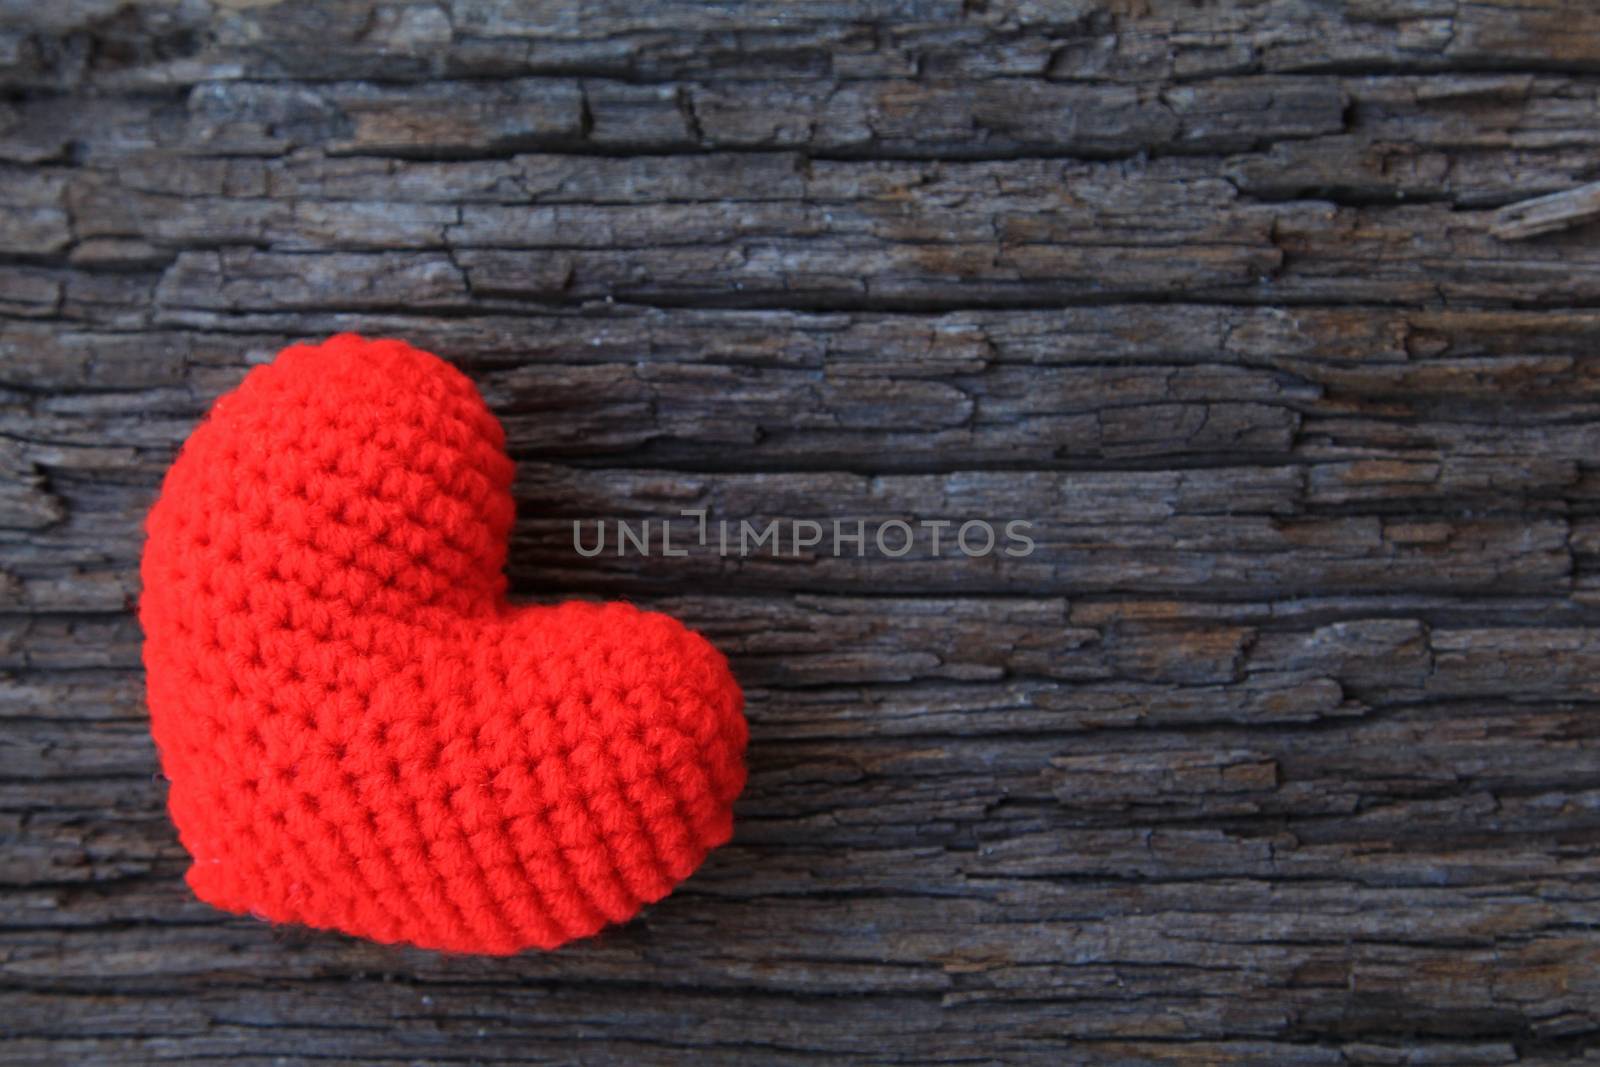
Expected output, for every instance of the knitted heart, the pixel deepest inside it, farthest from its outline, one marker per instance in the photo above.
(360, 733)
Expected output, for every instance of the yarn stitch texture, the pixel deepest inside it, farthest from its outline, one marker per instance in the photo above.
(360, 732)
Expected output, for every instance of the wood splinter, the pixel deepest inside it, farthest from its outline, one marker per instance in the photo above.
(1547, 214)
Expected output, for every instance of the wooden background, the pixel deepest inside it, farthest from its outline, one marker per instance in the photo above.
(1281, 748)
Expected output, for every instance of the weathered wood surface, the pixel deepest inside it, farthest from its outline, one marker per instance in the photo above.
(1280, 748)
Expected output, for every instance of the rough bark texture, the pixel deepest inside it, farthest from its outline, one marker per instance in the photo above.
(1280, 748)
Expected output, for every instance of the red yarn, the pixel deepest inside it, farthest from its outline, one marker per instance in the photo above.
(360, 733)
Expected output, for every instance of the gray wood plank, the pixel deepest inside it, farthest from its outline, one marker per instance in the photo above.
(1279, 747)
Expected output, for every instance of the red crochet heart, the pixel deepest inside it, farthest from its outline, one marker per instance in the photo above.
(360, 733)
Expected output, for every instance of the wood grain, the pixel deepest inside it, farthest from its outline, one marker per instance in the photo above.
(1282, 747)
